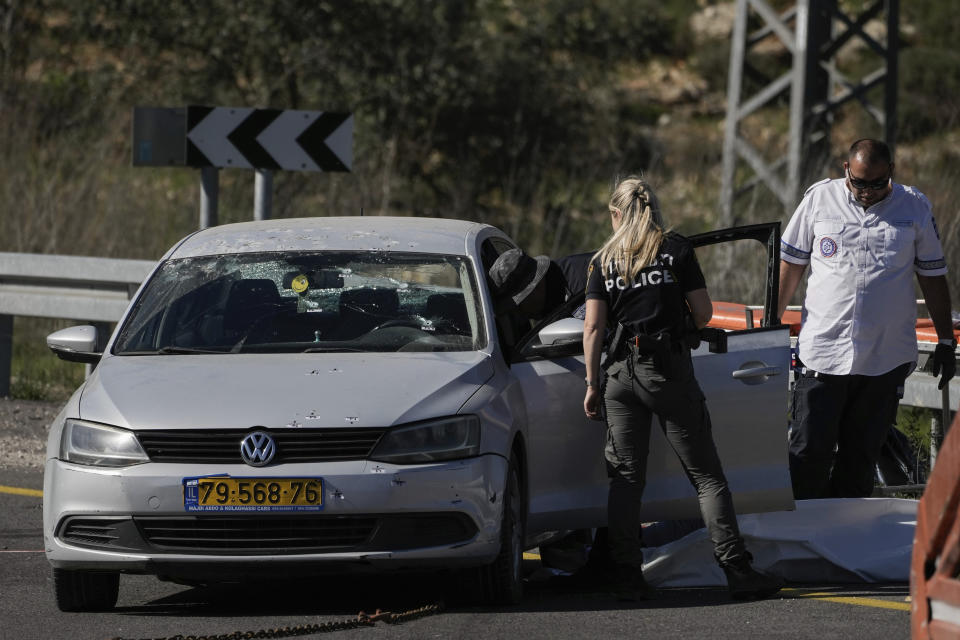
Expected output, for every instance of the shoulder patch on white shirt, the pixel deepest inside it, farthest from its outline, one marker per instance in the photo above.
(828, 247)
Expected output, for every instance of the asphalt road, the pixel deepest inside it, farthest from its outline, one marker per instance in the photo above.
(149, 608)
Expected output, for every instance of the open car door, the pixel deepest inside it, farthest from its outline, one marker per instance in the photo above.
(743, 373)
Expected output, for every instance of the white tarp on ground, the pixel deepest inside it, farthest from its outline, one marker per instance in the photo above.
(836, 540)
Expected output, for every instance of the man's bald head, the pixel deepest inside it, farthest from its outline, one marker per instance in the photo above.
(870, 152)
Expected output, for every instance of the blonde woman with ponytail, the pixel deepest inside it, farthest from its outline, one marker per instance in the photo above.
(645, 281)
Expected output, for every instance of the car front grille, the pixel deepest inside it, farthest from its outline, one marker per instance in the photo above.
(94, 532)
(101, 531)
(422, 530)
(258, 534)
(222, 446)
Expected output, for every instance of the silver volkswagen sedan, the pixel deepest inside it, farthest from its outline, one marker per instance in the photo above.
(340, 394)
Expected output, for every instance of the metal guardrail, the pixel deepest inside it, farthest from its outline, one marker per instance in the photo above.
(71, 287)
(915, 489)
(920, 389)
(96, 290)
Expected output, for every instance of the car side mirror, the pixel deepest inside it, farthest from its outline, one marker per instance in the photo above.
(562, 331)
(75, 344)
(558, 339)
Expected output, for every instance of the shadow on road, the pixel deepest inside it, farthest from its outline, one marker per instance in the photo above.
(344, 596)
(324, 595)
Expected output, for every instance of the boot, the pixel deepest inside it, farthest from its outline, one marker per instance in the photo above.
(746, 583)
(630, 586)
(591, 576)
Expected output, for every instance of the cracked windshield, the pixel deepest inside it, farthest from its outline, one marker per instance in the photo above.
(306, 302)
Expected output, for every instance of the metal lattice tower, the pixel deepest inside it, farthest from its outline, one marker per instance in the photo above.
(812, 31)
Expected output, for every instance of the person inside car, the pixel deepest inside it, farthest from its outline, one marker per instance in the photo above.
(532, 285)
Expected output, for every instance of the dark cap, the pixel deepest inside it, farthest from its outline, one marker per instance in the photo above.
(515, 274)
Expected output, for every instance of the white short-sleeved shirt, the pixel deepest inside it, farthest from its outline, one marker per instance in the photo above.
(860, 310)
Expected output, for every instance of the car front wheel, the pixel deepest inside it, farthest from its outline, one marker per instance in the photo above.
(502, 581)
(85, 590)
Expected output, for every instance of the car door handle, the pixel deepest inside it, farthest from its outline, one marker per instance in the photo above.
(755, 372)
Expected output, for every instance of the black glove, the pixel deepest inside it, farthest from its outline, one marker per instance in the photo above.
(691, 335)
(945, 361)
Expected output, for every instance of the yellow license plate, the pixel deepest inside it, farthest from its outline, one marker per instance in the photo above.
(225, 493)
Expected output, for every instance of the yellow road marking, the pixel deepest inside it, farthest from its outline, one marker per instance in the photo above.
(21, 492)
(530, 556)
(857, 600)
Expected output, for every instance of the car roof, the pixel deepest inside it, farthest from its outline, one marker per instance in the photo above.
(351, 233)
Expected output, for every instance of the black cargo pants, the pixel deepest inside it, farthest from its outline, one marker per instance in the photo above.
(637, 389)
(850, 413)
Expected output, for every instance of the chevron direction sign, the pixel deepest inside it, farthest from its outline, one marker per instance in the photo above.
(293, 140)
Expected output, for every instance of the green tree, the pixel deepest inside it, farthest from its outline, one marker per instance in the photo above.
(485, 109)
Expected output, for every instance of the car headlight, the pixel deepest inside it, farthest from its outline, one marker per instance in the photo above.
(445, 439)
(99, 445)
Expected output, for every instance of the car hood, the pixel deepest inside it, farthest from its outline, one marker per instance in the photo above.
(289, 390)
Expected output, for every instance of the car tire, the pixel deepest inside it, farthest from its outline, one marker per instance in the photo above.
(501, 581)
(86, 590)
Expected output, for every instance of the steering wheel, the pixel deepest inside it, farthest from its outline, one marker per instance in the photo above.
(411, 322)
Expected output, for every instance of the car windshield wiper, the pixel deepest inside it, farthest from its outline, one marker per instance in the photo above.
(331, 350)
(170, 350)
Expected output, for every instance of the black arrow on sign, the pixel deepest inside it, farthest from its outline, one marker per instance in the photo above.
(313, 141)
(244, 138)
(195, 157)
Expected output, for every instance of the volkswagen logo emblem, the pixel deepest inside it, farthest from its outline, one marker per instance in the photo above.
(257, 448)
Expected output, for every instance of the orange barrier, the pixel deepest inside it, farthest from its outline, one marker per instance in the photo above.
(733, 316)
(936, 546)
(927, 333)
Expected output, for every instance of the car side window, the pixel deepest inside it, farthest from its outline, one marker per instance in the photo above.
(511, 326)
(741, 266)
(491, 249)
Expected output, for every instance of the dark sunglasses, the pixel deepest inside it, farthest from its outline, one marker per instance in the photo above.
(863, 185)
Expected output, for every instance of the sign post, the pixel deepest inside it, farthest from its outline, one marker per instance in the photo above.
(262, 188)
(266, 140)
(209, 196)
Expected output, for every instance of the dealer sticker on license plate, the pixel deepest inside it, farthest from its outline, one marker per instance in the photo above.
(225, 493)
